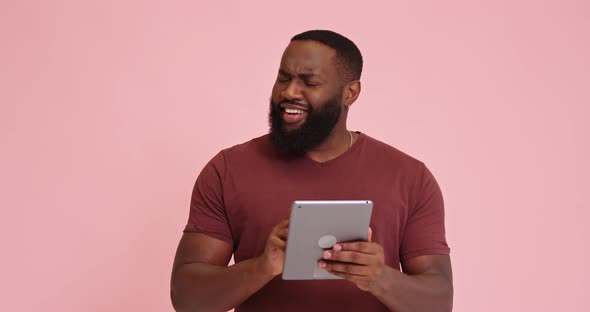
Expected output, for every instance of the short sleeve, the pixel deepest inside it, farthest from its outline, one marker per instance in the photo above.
(425, 227)
(207, 210)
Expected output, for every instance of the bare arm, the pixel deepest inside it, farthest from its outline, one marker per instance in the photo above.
(425, 285)
(201, 280)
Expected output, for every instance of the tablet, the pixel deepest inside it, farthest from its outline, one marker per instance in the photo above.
(318, 225)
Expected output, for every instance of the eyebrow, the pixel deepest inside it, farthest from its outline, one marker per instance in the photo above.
(302, 76)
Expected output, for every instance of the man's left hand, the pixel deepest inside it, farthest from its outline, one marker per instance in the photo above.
(362, 263)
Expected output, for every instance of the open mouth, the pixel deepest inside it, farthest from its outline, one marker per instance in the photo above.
(293, 115)
(293, 111)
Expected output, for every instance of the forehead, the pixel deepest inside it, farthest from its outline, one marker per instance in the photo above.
(307, 56)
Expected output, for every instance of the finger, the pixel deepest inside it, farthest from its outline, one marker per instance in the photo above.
(282, 235)
(282, 227)
(277, 242)
(348, 268)
(348, 256)
(349, 277)
(370, 235)
(284, 223)
(364, 247)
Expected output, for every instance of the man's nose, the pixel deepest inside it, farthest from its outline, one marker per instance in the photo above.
(292, 91)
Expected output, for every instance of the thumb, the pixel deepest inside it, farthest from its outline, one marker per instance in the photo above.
(370, 235)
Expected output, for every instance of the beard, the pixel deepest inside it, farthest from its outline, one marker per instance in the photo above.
(317, 126)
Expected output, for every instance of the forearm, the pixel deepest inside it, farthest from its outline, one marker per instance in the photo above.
(420, 292)
(206, 287)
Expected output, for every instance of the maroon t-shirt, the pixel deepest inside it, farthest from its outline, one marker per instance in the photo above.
(245, 190)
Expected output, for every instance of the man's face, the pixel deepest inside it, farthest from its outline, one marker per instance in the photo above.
(306, 101)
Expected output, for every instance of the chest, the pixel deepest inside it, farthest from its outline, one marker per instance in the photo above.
(256, 202)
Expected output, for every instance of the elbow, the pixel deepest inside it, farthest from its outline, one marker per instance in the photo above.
(185, 299)
(181, 302)
(176, 301)
(187, 292)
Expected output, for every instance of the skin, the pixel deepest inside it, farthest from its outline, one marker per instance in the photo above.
(308, 75)
(201, 280)
(425, 285)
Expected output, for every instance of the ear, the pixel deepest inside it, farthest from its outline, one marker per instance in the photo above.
(351, 92)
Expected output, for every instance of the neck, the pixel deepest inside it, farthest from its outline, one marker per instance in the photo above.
(335, 145)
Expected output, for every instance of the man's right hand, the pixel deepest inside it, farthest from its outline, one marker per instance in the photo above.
(271, 261)
(202, 281)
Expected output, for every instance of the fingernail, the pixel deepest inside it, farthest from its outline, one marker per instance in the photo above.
(322, 265)
(337, 247)
(327, 254)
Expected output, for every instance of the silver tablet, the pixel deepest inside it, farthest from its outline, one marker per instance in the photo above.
(318, 225)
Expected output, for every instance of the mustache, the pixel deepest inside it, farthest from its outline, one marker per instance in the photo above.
(286, 101)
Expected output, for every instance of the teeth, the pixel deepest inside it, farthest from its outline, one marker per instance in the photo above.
(293, 111)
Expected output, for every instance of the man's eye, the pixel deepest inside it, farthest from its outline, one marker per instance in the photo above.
(282, 79)
(311, 84)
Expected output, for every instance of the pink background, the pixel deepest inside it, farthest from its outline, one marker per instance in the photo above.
(109, 109)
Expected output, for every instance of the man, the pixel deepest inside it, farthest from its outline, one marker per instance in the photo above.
(245, 191)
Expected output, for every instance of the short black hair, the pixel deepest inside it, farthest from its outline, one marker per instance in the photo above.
(348, 54)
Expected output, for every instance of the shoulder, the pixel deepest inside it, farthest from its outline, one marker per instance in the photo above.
(246, 152)
(238, 156)
(254, 146)
(390, 160)
(387, 155)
